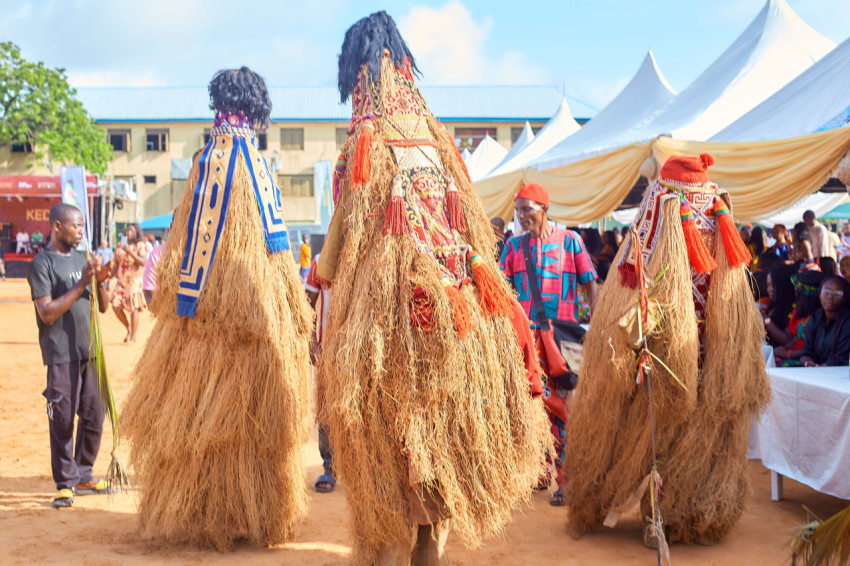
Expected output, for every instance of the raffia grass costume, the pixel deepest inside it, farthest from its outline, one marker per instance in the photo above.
(416, 411)
(220, 403)
(701, 429)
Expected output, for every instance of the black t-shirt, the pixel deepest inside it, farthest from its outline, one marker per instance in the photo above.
(52, 274)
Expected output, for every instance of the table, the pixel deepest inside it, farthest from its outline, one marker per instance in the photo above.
(804, 433)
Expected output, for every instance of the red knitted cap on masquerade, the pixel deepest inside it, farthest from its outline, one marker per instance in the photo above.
(535, 192)
(686, 169)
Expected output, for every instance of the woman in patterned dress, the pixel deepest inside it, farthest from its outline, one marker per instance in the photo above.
(128, 295)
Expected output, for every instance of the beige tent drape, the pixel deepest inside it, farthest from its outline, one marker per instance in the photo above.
(761, 177)
(579, 192)
(766, 177)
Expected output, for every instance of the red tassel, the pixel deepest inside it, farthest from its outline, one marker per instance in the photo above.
(628, 277)
(736, 251)
(360, 169)
(698, 253)
(492, 296)
(461, 310)
(456, 219)
(395, 219)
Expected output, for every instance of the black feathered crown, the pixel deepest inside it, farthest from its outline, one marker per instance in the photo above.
(365, 42)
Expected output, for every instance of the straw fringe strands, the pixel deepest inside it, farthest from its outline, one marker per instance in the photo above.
(220, 403)
(609, 450)
(706, 478)
(701, 430)
(415, 411)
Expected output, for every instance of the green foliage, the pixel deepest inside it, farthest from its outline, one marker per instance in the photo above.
(39, 107)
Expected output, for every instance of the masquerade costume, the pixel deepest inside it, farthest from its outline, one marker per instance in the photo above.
(425, 390)
(219, 407)
(704, 327)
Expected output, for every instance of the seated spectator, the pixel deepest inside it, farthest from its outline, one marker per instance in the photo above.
(609, 247)
(806, 286)
(592, 242)
(780, 247)
(778, 313)
(802, 244)
(844, 267)
(37, 241)
(827, 341)
(23, 241)
(757, 246)
(828, 266)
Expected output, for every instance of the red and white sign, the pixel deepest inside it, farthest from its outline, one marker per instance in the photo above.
(35, 186)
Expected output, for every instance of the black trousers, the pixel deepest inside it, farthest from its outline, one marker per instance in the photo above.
(72, 389)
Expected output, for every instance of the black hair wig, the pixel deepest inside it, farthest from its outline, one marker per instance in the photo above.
(365, 42)
(241, 90)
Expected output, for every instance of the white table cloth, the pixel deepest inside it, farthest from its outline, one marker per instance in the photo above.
(804, 433)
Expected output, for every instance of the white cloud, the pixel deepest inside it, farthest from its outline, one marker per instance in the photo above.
(450, 47)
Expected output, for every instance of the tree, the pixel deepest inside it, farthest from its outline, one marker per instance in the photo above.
(39, 107)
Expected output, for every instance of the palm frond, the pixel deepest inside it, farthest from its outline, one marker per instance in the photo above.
(115, 476)
(822, 543)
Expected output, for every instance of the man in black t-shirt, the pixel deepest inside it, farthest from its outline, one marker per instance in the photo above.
(59, 279)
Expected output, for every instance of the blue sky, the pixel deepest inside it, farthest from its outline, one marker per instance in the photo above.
(590, 47)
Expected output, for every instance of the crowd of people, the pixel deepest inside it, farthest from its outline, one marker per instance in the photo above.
(802, 291)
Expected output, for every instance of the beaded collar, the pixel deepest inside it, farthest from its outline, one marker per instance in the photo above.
(232, 124)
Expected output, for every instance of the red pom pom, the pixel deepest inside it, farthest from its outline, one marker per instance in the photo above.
(707, 160)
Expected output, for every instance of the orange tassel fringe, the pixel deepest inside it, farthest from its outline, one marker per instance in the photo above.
(492, 297)
(360, 168)
(456, 220)
(395, 219)
(736, 251)
(461, 309)
(698, 253)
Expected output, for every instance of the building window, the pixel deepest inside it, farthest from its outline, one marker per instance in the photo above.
(262, 141)
(295, 185)
(150, 179)
(341, 136)
(207, 136)
(24, 147)
(292, 139)
(469, 138)
(515, 133)
(157, 140)
(118, 139)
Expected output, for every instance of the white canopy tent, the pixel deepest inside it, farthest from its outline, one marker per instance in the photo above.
(487, 155)
(820, 203)
(465, 155)
(647, 94)
(561, 125)
(774, 49)
(812, 101)
(525, 138)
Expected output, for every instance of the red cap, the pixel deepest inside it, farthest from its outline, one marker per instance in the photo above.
(686, 169)
(535, 192)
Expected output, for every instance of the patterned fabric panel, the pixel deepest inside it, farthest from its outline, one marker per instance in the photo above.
(561, 264)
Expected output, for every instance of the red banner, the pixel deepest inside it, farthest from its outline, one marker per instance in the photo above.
(34, 186)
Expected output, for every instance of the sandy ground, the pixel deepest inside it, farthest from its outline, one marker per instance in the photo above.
(102, 530)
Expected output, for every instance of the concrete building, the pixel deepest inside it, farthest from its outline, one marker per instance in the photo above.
(156, 131)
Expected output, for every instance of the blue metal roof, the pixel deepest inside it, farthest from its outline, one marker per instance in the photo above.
(300, 104)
